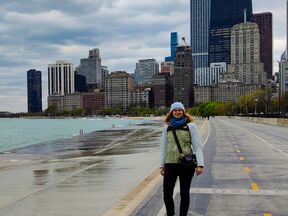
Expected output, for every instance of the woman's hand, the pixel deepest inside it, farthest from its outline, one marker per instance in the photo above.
(198, 170)
(162, 170)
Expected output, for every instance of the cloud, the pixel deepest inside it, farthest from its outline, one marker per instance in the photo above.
(35, 33)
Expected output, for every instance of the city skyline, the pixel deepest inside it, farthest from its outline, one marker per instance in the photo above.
(124, 31)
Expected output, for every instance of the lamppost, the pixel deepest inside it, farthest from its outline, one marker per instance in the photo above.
(255, 100)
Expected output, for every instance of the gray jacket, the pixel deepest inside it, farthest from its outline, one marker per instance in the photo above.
(196, 144)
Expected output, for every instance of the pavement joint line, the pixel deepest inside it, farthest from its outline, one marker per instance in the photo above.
(269, 144)
(238, 191)
(115, 143)
(47, 187)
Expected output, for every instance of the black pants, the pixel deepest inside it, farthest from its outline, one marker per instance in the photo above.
(172, 171)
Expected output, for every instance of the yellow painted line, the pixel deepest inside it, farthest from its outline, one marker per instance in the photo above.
(267, 214)
(247, 169)
(242, 158)
(254, 187)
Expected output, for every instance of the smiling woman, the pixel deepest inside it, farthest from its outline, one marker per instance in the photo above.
(180, 143)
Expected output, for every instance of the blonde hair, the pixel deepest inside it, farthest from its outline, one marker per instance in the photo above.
(170, 114)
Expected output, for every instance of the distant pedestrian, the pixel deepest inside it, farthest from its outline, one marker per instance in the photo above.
(179, 125)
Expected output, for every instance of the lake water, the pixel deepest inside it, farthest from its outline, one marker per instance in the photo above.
(15, 133)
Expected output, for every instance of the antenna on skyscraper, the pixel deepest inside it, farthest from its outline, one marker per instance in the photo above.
(183, 38)
(245, 15)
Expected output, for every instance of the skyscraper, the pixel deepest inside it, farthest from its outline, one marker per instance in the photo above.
(183, 76)
(225, 14)
(264, 21)
(91, 68)
(34, 91)
(173, 46)
(117, 88)
(245, 54)
(145, 69)
(61, 78)
(200, 22)
(283, 64)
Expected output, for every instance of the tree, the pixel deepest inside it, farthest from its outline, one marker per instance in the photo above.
(52, 110)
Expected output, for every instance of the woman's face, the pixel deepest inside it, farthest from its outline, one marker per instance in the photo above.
(177, 113)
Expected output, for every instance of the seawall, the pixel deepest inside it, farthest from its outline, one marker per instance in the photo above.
(272, 121)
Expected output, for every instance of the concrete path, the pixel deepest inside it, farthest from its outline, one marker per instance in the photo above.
(246, 173)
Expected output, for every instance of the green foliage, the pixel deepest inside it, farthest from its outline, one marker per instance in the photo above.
(51, 110)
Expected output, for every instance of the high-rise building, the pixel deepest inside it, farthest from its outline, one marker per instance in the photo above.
(264, 21)
(80, 83)
(224, 15)
(183, 76)
(104, 74)
(245, 54)
(145, 69)
(209, 75)
(34, 91)
(199, 35)
(167, 67)
(118, 86)
(93, 102)
(91, 68)
(283, 64)
(173, 46)
(283, 74)
(162, 89)
(61, 78)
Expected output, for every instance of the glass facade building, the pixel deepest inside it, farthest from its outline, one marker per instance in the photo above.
(91, 67)
(173, 46)
(145, 70)
(34, 91)
(264, 21)
(224, 15)
(200, 22)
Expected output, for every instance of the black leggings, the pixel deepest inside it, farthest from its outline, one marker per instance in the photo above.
(172, 171)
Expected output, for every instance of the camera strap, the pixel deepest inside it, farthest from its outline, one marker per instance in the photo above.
(177, 142)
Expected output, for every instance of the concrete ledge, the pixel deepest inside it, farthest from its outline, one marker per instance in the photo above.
(272, 121)
(130, 201)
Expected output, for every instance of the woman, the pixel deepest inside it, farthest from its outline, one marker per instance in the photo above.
(170, 168)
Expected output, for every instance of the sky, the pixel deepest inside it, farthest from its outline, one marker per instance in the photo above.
(35, 33)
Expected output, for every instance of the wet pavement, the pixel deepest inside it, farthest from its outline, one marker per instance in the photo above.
(84, 175)
(245, 173)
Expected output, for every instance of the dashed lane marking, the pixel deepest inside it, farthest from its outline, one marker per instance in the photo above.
(264, 141)
(254, 187)
(247, 169)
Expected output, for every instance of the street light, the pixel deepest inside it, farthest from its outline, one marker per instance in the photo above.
(255, 100)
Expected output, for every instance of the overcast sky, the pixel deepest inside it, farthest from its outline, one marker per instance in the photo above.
(35, 33)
